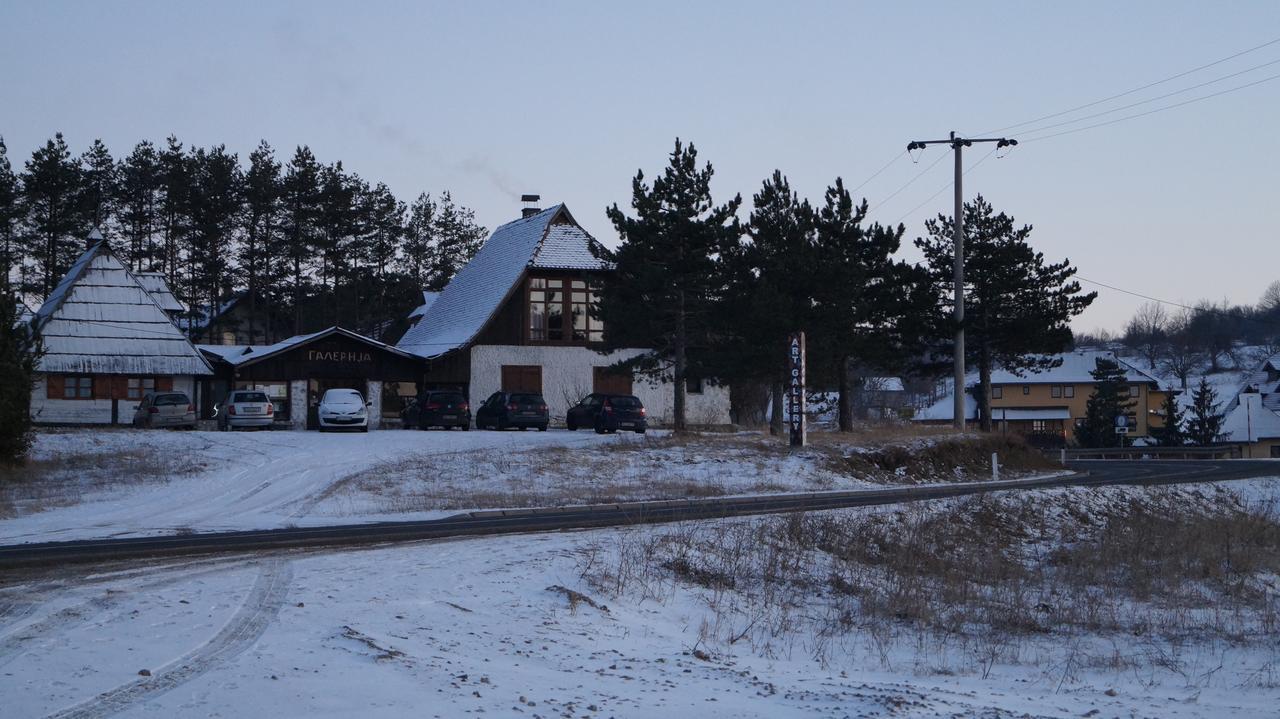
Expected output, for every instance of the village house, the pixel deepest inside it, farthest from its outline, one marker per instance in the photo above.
(1252, 426)
(108, 339)
(1050, 405)
(517, 318)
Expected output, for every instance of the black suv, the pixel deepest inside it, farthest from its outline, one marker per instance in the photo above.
(608, 413)
(513, 409)
(442, 409)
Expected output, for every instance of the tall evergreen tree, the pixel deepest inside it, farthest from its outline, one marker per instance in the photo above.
(10, 215)
(1110, 399)
(1170, 434)
(175, 174)
(771, 288)
(457, 238)
(214, 213)
(1204, 426)
(384, 229)
(137, 195)
(420, 240)
(300, 225)
(19, 353)
(1017, 306)
(99, 178)
(54, 227)
(669, 277)
(872, 311)
(257, 253)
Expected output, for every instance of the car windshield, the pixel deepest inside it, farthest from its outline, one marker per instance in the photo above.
(527, 399)
(249, 397)
(168, 400)
(625, 402)
(346, 396)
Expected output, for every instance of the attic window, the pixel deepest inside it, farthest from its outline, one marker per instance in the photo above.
(557, 315)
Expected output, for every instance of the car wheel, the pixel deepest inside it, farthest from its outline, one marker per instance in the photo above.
(364, 428)
(542, 428)
(500, 425)
(639, 431)
(570, 425)
(600, 428)
(465, 427)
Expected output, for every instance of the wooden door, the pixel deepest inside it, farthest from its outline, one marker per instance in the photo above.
(522, 378)
(606, 381)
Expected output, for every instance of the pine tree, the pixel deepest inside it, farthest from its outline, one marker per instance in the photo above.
(256, 255)
(54, 227)
(420, 240)
(137, 195)
(10, 214)
(871, 310)
(19, 353)
(457, 238)
(1017, 306)
(175, 184)
(771, 289)
(299, 231)
(1171, 434)
(669, 277)
(99, 178)
(214, 213)
(1204, 426)
(1110, 399)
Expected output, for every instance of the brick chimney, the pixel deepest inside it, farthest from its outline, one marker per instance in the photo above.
(530, 205)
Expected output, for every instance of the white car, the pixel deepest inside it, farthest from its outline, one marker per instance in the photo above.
(343, 409)
(246, 408)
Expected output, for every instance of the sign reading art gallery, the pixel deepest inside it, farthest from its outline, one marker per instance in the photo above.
(795, 388)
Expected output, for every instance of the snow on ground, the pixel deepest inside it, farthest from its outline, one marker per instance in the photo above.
(142, 482)
(472, 627)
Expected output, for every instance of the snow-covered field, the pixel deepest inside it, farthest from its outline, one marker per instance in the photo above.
(483, 627)
(137, 482)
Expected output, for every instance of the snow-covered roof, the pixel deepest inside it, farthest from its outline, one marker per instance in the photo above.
(1075, 369)
(200, 318)
(101, 320)
(1248, 420)
(428, 298)
(155, 283)
(1264, 379)
(252, 354)
(548, 239)
(226, 352)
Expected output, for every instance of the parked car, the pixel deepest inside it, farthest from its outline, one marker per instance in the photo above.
(165, 409)
(608, 413)
(439, 408)
(343, 409)
(245, 408)
(513, 409)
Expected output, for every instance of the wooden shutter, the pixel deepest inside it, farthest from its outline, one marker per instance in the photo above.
(54, 385)
(604, 381)
(164, 384)
(522, 378)
(102, 386)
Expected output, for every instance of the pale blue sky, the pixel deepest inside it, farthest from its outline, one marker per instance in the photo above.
(568, 99)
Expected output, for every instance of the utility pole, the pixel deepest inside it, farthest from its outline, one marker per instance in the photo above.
(957, 144)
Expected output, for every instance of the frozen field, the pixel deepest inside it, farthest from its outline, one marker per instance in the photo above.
(135, 482)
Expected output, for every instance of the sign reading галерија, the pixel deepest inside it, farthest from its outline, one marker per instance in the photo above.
(795, 388)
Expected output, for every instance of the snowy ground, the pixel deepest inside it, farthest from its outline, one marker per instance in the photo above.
(137, 482)
(472, 627)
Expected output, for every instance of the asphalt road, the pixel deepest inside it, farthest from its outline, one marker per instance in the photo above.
(1088, 472)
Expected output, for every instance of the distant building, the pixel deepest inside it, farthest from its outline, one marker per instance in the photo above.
(107, 341)
(517, 318)
(1051, 404)
(241, 320)
(1253, 426)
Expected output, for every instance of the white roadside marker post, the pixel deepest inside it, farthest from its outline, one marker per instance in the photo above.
(995, 467)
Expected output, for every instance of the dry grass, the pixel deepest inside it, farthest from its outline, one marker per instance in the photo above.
(1150, 581)
(41, 484)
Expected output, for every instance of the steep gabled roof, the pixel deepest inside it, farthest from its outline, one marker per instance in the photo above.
(428, 298)
(550, 239)
(1075, 369)
(101, 320)
(1248, 420)
(253, 354)
(154, 283)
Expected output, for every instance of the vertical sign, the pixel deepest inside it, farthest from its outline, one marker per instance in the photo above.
(795, 388)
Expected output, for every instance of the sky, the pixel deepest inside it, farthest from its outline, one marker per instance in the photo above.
(490, 100)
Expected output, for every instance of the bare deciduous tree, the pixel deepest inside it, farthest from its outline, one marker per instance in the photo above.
(1147, 332)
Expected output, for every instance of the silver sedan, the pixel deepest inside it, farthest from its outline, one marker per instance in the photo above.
(246, 408)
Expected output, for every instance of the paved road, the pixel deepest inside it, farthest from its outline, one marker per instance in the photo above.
(1089, 473)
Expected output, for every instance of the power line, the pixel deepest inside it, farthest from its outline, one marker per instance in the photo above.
(1207, 310)
(1153, 99)
(912, 181)
(946, 186)
(876, 174)
(1152, 112)
(1136, 89)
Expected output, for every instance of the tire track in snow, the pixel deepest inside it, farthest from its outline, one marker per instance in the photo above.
(241, 632)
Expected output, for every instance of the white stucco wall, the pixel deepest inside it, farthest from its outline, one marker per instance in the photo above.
(89, 411)
(373, 393)
(567, 377)
(298, 404)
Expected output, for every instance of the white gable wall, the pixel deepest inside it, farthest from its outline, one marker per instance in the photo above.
(90, 411)
(567, 374)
